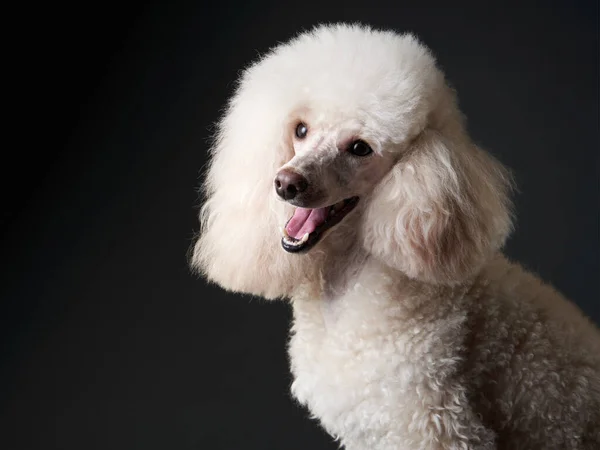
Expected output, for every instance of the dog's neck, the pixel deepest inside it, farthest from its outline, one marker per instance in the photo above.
(344, 270)
(340, 276)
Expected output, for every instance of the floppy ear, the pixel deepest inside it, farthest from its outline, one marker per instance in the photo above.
(442, 211)
(239, 243)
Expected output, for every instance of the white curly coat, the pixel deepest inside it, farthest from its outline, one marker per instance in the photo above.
(411, 329)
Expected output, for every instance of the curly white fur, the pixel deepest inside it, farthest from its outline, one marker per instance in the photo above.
(411, 330)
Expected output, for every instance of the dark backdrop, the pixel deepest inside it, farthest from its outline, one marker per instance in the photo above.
(107, 340)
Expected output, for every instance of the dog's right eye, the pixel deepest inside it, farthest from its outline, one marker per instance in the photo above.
(360, 148)
(301, 130)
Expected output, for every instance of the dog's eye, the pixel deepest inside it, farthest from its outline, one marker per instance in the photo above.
(301, 131)
(360, 148)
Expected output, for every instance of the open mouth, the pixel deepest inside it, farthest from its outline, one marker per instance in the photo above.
(307, 226)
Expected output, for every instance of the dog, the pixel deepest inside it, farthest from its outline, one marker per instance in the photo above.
(342, 178)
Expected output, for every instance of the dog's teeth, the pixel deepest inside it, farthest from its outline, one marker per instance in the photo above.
(304, 239)
(339, 205)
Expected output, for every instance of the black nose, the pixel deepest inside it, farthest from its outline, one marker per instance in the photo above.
(289, 183)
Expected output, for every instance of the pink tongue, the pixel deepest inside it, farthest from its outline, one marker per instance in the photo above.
(305, 221)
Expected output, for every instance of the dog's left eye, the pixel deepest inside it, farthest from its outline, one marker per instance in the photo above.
(360, 148)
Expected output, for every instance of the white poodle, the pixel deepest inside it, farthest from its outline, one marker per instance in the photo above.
(343, 178)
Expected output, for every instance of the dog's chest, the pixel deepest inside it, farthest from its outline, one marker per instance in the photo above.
(350, 364)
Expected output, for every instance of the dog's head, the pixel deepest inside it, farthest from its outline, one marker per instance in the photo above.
(343, 137)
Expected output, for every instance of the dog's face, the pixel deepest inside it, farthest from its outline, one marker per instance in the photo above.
(349, 139)
(336, 162)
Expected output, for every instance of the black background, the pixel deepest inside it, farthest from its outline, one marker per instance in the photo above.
(107, 340)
